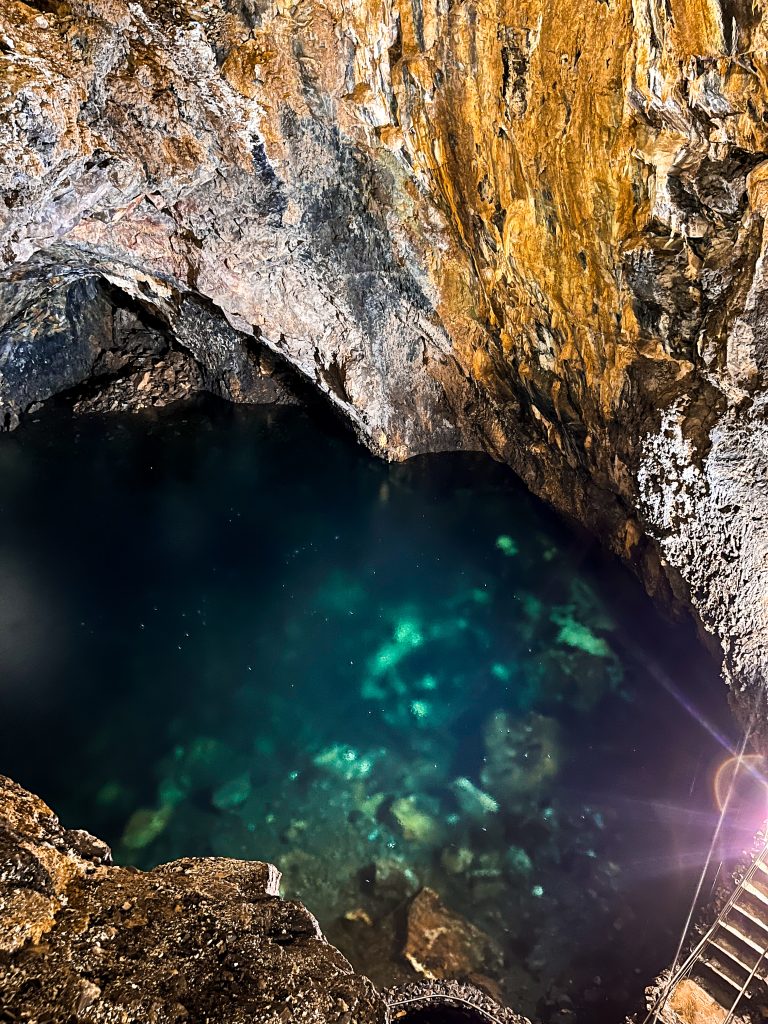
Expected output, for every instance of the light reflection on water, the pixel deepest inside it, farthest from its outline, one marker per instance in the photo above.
(231, 632)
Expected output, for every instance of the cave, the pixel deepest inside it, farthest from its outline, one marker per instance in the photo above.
(383, 512)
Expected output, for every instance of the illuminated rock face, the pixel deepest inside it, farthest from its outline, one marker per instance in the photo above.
(532, 228)
(199, 938)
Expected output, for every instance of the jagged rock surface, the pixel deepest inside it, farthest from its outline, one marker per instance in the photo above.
(198, 939)
(533, 228)
(441, 944)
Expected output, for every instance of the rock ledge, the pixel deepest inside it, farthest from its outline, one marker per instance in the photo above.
(199, 939)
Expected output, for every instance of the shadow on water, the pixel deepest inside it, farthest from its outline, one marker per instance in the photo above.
(230, 631)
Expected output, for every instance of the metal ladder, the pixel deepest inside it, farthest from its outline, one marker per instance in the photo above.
(734, 950)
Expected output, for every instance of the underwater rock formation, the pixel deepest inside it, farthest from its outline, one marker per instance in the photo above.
(199, 938)
(521, 758)
(529, 228)
(441, 944)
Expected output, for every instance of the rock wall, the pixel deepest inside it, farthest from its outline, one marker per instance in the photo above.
(197, 939)
(530, 228)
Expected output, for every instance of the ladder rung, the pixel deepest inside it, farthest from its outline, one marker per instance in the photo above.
(747, 968)
(750, 915)
(760, 880)
(729, 927)
(736, 986)
(754, 891)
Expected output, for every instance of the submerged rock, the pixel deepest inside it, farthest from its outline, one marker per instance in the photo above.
(517, 862)
(474, 803)
(506, 545)
(457, 859)
(345, 762)
(145, 825)
(522, 756)
(576, 634)
(442, 944)
(417, 819)
(393, 881)
(233, 793)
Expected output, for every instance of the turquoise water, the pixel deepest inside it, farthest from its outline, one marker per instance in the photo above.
(230, 631)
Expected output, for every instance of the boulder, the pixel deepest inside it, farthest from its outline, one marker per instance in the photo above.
(195, 939)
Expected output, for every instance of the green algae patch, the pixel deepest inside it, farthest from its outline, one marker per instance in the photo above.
(506, 545)
(408, 633)
(420, 709)
(576, 634)
(345, 762)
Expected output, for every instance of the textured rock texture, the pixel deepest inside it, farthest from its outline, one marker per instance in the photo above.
(194, 940)
(448, 1001)
(533, 228)
(441, 944)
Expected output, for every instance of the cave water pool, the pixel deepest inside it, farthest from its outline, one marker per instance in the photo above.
(231, 631)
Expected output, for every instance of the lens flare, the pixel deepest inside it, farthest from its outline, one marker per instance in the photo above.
(747, 777)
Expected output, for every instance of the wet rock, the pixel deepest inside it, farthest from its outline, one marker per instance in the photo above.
(172, 379)
(117, 355)
(442, 944)
(51, 344)
(191, 940)
(450, 995)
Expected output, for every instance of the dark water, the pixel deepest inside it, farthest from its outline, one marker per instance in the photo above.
(230, 631)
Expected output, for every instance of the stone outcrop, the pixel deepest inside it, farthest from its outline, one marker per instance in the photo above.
(197, 939)
(532, 228)
(441, 944)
